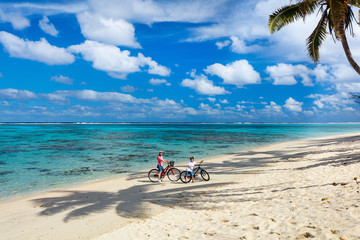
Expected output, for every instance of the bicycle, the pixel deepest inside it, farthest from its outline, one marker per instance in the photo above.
(172, 173)
(198, 170)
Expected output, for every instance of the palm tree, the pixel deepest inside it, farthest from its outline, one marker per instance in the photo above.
(337, 16)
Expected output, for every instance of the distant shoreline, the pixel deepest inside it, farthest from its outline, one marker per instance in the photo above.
(120, 123)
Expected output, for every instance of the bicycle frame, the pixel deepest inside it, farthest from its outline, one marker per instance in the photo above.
(197, 169)
(163, 173)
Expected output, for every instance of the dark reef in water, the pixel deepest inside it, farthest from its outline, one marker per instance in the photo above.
(6, 173)
(83, 170)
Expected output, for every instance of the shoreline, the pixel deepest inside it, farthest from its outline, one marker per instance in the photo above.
(183, 165)
(102, 208)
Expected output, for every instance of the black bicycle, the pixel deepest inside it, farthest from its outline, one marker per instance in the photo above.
(198, 170)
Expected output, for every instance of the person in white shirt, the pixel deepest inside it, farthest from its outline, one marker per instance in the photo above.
(189, 168)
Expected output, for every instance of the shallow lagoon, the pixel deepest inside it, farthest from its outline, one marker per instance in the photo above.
(37, 157)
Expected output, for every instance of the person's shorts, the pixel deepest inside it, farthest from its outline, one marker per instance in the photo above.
(160, 168)
(189, 173)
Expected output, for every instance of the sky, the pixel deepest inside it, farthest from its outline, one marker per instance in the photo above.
(168, 61)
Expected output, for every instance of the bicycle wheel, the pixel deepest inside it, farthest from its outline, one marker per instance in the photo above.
(173, 174)
(182, 177)
(153, 175)
(204, 174)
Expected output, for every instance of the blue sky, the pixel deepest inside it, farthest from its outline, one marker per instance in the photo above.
(167, 61)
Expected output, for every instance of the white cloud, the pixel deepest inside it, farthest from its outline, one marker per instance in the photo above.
(115, 62)
(238, 73)
(308, 113)
(203, 85)
(154, 81)
(107, 30)
(91, 95)
(48, 27)
(14, 94)
(335, 73)
(128, 88)
(293, 105)
(62, 79)
(239, 46)
(284, 74)
(273, 107)
(17, 21)
(336, 101)
(211, 99)
(222, 44)
(5, 103)
(40, 51)
(154, 67)
(348, 87)
(224, 101)
(158, 11)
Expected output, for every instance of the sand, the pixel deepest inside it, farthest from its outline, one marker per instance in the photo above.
(292, 190)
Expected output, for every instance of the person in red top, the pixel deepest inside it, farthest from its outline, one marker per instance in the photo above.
(160, 167)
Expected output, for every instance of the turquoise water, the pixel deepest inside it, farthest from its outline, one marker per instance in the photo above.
(37, 157)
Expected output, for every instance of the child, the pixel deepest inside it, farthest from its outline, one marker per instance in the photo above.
(189, 168)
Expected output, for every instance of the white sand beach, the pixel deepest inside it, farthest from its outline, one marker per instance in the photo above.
(292, 190)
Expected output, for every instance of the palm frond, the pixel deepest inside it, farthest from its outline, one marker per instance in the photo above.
(317, 37)
(349, 17)
(291, 13)
(355, 97)
(355, 3)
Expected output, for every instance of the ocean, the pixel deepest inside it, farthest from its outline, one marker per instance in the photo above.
(39, 157)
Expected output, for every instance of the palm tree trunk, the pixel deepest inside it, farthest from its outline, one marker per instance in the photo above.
(348, 52)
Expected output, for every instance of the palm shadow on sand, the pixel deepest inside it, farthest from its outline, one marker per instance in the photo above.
(136, 201)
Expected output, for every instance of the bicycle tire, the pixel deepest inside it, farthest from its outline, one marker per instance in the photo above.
(182, 177)
(204, 174)
(153, 175)
(173, 174)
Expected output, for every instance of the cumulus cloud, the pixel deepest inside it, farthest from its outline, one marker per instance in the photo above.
(40, 51)
(115, 62)
(335, 101)
(348, 87)
(335, 73)
(48, 27)
(222, 44)
(90, 95)
(273, 107)
(154, 67)
(17, 21)
(107, 30)
(237, 73)
(284, 74)
(202, 85)
(62, 79)
(287, 74)
(293, 105)
(128, 88)
(154, 81)
(15, 94)
(211, 99)
(224, 101)
(239, 46)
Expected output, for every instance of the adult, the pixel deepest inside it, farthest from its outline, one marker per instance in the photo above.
(160, 167)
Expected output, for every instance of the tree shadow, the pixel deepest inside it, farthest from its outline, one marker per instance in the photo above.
(136, 201)
(129, 203)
